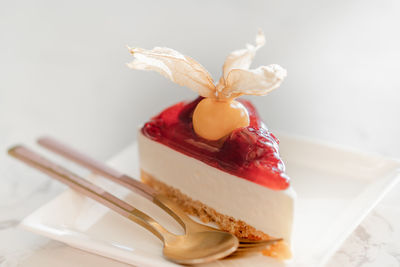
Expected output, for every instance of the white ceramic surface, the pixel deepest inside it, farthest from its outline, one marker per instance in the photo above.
(336, 189)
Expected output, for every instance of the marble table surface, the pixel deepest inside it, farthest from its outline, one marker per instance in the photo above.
(376, 242)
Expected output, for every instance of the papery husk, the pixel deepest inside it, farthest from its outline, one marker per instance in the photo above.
(237, 78)
(173, 65)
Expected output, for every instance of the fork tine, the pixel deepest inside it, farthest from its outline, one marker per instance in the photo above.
(249, 241)
(240, 252)
(243, 251)
(258, 245)
(264, 243)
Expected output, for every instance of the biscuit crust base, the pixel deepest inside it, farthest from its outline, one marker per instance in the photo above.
(207, 214)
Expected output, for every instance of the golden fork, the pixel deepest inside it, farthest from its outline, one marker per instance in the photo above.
(169, 206)
(190, 248)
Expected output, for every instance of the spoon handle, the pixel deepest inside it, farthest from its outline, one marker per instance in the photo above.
(122, 179)
(88, 189)
(97, 167)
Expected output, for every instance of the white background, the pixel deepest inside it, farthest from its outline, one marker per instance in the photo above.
(62, 66)
(63, 73)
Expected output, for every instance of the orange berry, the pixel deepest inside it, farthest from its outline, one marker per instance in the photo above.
(214, 119)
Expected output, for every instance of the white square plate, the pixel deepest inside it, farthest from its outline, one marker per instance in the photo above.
(336, 189)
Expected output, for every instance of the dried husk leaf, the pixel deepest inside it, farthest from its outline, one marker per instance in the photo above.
(241, 59)
(258, 81)
(173, 65)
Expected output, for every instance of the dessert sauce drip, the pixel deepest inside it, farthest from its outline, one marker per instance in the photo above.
(250, 152)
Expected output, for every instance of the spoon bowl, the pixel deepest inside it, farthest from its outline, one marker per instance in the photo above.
(199, 247)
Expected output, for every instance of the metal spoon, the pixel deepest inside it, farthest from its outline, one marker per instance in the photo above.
(190, 248)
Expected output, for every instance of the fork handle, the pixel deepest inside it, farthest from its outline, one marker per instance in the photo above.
(97, 167)
(88, 189)
(117, 177)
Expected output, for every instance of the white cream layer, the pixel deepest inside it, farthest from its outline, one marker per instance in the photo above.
(267, 210)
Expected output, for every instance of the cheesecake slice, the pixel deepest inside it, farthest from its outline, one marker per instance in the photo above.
(214, 156)
(238, 183)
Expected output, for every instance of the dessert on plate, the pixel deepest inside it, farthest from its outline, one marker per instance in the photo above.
(214, 155)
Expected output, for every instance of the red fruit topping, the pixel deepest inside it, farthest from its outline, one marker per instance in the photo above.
(249, 152)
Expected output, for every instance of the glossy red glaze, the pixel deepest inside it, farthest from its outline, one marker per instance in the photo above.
(249, 152)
